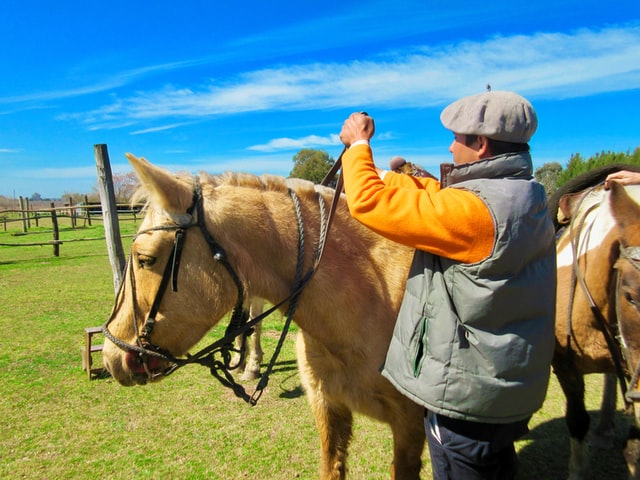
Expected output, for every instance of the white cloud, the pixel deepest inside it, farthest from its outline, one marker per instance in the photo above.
(297, 143)
(160, 128)
(108, 83)
(551, 65)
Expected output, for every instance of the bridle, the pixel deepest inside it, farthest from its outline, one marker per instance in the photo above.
(612, 334)
(217, 356)
(632, 255)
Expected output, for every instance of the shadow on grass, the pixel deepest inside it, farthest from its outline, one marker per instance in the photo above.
(545, 454)
(284, 366)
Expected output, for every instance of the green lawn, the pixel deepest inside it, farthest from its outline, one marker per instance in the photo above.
(55, 423)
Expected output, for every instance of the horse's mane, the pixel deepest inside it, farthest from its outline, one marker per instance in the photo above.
(264, 182)
(583, 181)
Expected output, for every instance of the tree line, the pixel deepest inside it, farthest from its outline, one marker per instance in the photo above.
(553, 175)
(313, 165)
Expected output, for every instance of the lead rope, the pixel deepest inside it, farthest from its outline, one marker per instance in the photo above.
(325, 224)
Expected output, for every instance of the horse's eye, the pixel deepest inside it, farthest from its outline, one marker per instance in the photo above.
(629, 298)
(145, 260)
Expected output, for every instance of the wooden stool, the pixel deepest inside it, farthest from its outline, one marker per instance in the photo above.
(88, 350)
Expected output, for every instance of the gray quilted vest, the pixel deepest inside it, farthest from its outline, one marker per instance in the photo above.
(475, 341)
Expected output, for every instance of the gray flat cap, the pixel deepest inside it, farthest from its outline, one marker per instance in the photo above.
(504, 116)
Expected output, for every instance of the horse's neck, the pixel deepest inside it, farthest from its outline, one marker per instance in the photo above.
(260, 231)
(356, 264)
(591, 226)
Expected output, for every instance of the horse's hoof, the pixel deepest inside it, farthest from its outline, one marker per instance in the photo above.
(249, 375)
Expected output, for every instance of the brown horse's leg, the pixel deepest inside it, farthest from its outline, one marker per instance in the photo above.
(408, 443)
(603, 434)
(576, 417)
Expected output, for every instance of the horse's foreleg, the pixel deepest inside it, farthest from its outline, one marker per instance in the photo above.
(631, 451)
(576, 417)
(249, 365)
(408, 442)
(604, 433)
(254, 358)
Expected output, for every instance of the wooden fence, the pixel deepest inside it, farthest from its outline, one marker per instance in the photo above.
(78, 215)
(109, 210)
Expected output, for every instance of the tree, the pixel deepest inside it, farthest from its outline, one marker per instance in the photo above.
(36, 197)
(578, 165)
(124, 186)
(547, 175)
(311, 165)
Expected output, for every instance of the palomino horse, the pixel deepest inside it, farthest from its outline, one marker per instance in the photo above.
(598, 297)
(219, 237)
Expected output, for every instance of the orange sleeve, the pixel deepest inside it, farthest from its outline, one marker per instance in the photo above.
(450, 222)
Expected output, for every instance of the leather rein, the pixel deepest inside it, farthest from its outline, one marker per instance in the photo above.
(614, 339)
(217, 356)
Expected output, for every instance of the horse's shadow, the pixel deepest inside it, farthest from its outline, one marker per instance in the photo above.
(545, 452)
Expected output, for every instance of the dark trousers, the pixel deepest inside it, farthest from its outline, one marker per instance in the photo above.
(462, 450)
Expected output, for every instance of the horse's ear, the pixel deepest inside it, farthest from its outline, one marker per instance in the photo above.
(163, 189)
(625, 211)
(567, 206)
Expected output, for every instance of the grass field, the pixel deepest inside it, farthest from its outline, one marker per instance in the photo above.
(55, 423)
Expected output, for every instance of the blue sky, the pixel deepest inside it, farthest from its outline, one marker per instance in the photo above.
(221, 85)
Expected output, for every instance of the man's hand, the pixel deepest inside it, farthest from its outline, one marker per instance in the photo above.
(359, 126)
(624, 177)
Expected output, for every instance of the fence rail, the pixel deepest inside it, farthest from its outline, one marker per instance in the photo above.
(33, 218)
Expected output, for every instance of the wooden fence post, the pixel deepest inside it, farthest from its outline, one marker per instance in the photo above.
(72, 212)
(87, 214)
(110, 214)
(24, 215)
(28, 209)
(56, 232)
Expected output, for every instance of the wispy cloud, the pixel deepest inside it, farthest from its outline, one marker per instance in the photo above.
(10, 150)
(297, 143)
(551, 65)
(107, 83)
(160, 128)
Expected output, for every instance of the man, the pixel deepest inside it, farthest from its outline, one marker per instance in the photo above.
(400, 165)
(474, 335)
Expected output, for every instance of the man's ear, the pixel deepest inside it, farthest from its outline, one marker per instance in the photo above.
(483, 147)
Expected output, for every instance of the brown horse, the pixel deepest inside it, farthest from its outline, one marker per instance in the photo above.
(219, 237)
(598, 298)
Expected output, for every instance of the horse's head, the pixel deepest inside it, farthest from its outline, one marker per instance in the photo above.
(174, 287)
(626, 213)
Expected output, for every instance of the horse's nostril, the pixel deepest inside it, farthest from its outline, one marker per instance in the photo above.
(135, 362)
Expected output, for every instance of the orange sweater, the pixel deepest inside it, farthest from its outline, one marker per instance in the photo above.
(449, 222)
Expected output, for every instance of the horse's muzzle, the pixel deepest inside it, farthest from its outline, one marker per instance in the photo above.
(143, 364)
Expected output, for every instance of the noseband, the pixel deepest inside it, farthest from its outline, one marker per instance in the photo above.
(238, 324)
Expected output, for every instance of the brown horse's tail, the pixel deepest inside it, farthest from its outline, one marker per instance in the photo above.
(581, 182)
